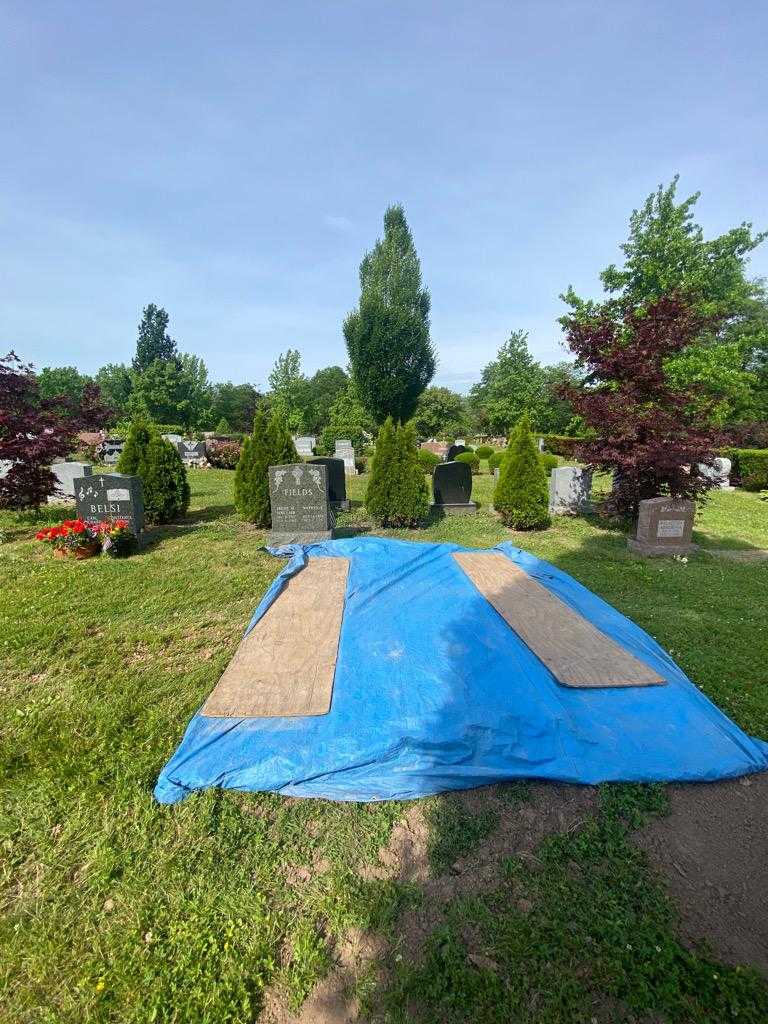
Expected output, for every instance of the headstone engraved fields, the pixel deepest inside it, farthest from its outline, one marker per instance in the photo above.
(113, 496)
(301, 509)
(664, 527)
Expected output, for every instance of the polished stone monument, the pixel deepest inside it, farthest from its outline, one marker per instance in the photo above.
(664, 527)
(346, 453)
(111, 496)
(301, 508)
(305, 444)
(66, 473)
(337, 484)
(452, 489)
(569, 490)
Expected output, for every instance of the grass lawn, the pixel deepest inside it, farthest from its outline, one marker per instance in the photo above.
(117, 909)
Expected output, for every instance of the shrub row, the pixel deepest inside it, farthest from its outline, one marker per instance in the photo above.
(750, 467)
(472, 459)
(559, 444)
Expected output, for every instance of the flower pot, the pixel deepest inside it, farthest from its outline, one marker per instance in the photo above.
(80, 552)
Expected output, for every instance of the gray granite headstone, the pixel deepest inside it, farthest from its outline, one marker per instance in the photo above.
(305, 444)
(346, 452)
(719, 473)
(664, 527)
(452, 489)
(569, 490)
(301, 508)
(66, 473)
(5, 467)
(337, 484)
(111, 448)
(175, 439)
(111, 496)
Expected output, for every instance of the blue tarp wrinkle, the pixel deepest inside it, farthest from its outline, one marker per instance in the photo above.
(434, 692)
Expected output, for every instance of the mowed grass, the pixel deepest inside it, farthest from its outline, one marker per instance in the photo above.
(117, 909)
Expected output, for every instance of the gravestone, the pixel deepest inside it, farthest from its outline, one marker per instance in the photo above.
(540, 444)
(111, 496)
(337, 484)
(175, 439)
(719, 473)
(569, 490)
(452, 489)
(5, 467)
(301, 508)
(305, 444)
(111, 448)
(191, 452)
(460, 441)
(66, 473)
(346, 452)
(664, 527)
(453, 451)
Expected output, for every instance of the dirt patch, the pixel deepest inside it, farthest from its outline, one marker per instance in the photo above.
(712, 851)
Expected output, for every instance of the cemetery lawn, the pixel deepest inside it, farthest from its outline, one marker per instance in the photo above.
(236, 907)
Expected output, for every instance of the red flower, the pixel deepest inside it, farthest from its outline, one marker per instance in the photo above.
(40, 535)
(78, 527)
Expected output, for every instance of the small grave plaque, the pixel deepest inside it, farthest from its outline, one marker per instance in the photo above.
(664, 527)
(337, 484)
(569, 490)
(452, 489)
(66, 473)
(111, 496)
(301, 509)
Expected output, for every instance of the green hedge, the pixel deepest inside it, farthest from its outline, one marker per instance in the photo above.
(472, 460)
(558, 444)
(484, 451)
(548, 462)
(750, 467)
(428, 459)
(495, 460)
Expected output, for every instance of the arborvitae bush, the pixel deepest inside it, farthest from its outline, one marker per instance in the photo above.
(471, 459)
(164, 481)
(548, 462)
(282, 450)
(252, 475)
(397, 493)
(428, 459)
(484, 451)
(140, 433)
(223, 427)
(521, 495)
(494, 461)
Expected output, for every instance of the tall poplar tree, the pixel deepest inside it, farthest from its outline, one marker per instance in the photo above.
(390, 351)
(154, 341)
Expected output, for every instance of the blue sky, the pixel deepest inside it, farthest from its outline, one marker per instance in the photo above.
(231, 161)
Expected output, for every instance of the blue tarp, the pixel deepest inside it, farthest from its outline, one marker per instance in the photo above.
(433, 691)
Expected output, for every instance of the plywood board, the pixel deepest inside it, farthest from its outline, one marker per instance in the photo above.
(286, 663)
(575, 651)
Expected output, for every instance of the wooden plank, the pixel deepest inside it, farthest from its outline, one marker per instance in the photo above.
(286, 664)
(575, 651)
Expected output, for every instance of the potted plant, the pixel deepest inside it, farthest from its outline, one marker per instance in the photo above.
(117, 540)
(74, 538)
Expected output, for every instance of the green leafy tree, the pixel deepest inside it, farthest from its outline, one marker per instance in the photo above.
(154, 342)
(324, 390)
(397, 494)
(236, 403)
(55, 381)
(164, 481)
(666, 254)
(521, 494)
(115, 382)
(441, 413)
(223, 427)
(290, 393)
(510, 384)
(252, 474)
(555, 412)
(348, 419)
(390, 351)
(173, 391)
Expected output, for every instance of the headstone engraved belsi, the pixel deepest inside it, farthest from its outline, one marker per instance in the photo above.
(301, 508)
(452, 489)
(664, 527)
(337, 484)
(111, 496)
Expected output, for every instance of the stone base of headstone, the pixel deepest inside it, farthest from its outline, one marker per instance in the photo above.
(649, 550)
(277, 539)
(468, 508)
(341, 506)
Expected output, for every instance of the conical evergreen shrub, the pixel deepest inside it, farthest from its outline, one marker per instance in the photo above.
(134, 450)
(164, 480)
(397, 494)
(281, 447)
(252, 475)
(521, 495)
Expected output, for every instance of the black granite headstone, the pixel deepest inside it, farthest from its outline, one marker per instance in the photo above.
(191, 451)
(111, 496)
(454, 450)
(337, 484)
(452, 489)
(110, 449)
(301, 508)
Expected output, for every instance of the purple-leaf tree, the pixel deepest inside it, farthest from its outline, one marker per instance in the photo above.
(34, 431)
(652, 437)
